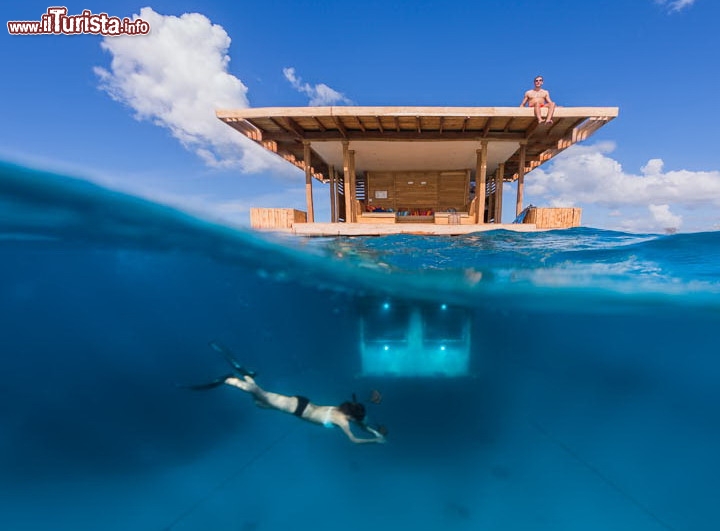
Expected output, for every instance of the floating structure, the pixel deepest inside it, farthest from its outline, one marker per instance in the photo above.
(436, 170)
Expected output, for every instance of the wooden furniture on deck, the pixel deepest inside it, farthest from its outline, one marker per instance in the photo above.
(276, 218)
(553, 218)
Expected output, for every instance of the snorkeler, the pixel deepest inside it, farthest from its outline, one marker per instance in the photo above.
(329, 416)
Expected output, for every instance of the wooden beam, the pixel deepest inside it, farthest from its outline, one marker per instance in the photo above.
(247, 129)
(507, 125)
(531, 129)
(320, 124)
(290, 125)
(552, 127)
(589, 127)
(379, 124)
(481, 180)
(523, 112)
(486, 128)
(307, 163)
(331, 136)
(520, 181)
(340, 126)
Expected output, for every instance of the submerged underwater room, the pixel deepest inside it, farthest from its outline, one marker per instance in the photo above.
(559, 380)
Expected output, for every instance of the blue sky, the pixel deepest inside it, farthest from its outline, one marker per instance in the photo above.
(136, 113)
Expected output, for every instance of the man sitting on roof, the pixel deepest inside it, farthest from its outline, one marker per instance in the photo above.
(538, 98)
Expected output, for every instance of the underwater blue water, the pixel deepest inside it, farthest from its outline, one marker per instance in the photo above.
(592, 400)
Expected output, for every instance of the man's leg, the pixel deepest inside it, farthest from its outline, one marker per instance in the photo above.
(538, 107)
(551, 110)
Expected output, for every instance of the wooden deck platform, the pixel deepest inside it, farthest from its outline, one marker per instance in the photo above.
(383, 229)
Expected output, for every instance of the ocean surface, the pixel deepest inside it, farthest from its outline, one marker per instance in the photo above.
(591, 398)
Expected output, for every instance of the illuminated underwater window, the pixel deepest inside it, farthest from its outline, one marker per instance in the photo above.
(414, 340)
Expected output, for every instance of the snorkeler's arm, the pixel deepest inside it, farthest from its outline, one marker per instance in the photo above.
(345, 427)
(373, 431)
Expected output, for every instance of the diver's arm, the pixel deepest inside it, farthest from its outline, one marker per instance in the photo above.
(345, 427)
(373, 431)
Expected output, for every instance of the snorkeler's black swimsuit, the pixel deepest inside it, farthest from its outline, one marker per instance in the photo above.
(301, 405)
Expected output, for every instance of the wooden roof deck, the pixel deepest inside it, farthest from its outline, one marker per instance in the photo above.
(388, 137)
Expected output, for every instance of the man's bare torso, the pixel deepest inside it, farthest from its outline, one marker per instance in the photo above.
(536, 96)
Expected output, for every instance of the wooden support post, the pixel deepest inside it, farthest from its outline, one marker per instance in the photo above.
(499, 180)
(520, 181)
(481, 181)
(346, 181)
(490, 200)
(333, 195)
(353, 187)
(307, 163)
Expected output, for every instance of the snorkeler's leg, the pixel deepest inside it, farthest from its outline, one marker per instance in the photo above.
(242, 371)
(262, 397)
(246, 383)
(265, 398)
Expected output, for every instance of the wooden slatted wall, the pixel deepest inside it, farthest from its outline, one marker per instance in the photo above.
(434, 190)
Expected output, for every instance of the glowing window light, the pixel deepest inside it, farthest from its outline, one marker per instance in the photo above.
(417, 338)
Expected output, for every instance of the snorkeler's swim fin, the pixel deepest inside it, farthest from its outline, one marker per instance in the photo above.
(239, 369)
(209, 385)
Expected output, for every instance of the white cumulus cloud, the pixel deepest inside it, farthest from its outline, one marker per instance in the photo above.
(320, 94)
(176, 77)
(675, 5)
(662, 216)
(653, 200)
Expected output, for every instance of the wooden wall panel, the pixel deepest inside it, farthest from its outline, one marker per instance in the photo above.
(454, 190)
(434, 190)
(416, 190)
(380, 183)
